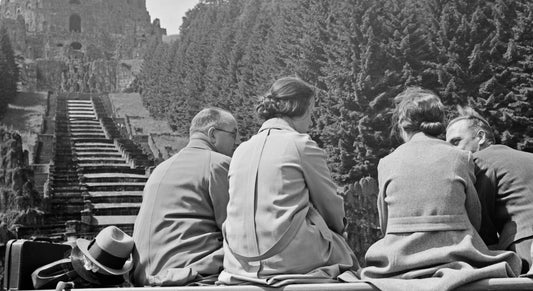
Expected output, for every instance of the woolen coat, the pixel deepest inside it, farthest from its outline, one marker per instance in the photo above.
(177, 233)
(505, 188)
(429, 212)
(285, 218)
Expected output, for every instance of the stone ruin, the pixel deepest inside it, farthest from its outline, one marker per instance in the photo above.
(79, 45)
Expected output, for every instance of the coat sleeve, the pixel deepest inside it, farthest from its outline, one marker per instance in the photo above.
(218, 190)
(472, 203)
(487, 189)
(322, 189)
(382, 206)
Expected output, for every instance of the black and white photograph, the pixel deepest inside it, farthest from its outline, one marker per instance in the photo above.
(259, 145)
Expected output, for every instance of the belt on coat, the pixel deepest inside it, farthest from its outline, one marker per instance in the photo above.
(428, 223)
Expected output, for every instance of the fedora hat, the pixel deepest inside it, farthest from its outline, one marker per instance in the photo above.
(110, 250)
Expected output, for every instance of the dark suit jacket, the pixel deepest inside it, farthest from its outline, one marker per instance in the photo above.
(505, 188)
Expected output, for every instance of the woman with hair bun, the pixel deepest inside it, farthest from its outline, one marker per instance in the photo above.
(428, 208)
(284, 218)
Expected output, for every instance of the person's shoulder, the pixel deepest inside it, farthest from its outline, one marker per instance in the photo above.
(218, 158)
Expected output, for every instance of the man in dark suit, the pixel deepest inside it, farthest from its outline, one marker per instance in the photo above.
(177, 233)
(504, 185)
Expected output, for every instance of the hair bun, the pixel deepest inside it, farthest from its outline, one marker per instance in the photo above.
(268, 105)
(432, 128)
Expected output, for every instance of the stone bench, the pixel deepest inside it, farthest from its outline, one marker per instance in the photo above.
(510, 284)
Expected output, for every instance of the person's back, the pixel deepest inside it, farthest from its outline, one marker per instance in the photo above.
(176, 225)
(426, 178)
(504, 185)
(177, 233)
(505, 182)
(429, 209)
(285, 217)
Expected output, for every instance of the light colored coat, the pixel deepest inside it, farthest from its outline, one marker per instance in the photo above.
(429, 212)
(284, 215)
(177, 232)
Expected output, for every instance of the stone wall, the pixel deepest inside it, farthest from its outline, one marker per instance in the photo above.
(121, 28)
(19, 201)
(100, 43)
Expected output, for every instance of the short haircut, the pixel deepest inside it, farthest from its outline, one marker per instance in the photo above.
(288, 96)
(418, 110)
(210, 117)
(475, 122)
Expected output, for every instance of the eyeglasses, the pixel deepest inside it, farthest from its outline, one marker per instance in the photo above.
(234, 133)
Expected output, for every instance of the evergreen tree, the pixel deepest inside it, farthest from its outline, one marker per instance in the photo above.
(9, 73)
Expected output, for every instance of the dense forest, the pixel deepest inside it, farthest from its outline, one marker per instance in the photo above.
(359, 54)
(9, 73)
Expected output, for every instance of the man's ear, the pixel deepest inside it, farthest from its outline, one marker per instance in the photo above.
(211, 134)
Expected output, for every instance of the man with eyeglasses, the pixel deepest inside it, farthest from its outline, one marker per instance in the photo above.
(177, 233)
(504, 182)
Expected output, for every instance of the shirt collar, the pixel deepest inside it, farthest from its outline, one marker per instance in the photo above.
(420, 136)
(276, 123)
(200, 142)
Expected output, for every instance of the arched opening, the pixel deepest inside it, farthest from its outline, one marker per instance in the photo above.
(76, 45)
(75, 23)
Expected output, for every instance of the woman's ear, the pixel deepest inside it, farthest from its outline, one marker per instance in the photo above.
(482, 135)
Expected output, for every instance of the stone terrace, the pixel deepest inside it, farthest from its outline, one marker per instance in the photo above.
(97, 176)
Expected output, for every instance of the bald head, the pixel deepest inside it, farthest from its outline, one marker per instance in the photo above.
(211, 117)
(220, 128)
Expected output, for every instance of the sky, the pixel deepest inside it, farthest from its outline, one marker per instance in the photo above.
(169, 12)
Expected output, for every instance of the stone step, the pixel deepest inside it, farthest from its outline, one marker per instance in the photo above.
(96, 166)
(93, 142)
(84, 122)
(115, 186)
(99, 154)
(114, 199)
(113, 170)
(88, 134)
(114, 179)
(95, 149)
(101, 160)
(100, 145)
(114, 175)
(99, 194)
(81, 117)
(76, 139)
(81, 101)
(115, 205)
(80, 110)
(88, 129)
(113, 219)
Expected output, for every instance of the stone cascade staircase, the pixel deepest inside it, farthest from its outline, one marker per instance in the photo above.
(98, 176)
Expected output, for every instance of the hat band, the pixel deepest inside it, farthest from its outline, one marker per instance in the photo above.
(104, 257)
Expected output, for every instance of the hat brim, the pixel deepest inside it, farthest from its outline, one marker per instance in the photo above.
(83, 245)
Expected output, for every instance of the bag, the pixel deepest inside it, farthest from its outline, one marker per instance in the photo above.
(25, 256)
(72, 269)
